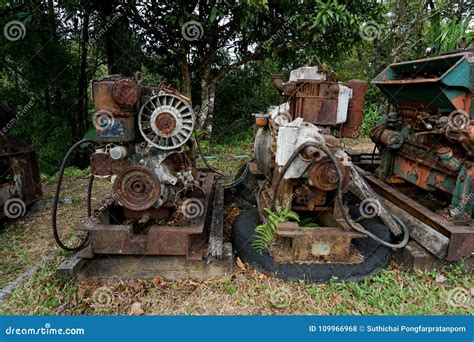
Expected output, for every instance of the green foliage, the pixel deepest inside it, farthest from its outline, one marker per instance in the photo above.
(372, 115)
(242, 92)
(265, 233)
(444, 35)
(71, 172)
(229, 287)
(41, 70)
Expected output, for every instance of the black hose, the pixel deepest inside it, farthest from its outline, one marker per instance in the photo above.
(56, 199)
(339, 192)
(239, 180)
(89, 195)
(204, 159)
(345, 216)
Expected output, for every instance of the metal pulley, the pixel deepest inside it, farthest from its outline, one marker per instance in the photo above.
(137, 187)
(166, 121)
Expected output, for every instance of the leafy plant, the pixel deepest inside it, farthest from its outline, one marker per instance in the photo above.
(372, 114)
(265, 233)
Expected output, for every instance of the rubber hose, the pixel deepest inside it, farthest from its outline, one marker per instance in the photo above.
(339, 192)
(406, 234)
(56, 199)
(198, 145)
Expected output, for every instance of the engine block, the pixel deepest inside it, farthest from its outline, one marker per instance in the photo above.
(428, 140)
(303, 161)
(160, 198)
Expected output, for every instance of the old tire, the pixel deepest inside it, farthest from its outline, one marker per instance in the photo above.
(376, 257)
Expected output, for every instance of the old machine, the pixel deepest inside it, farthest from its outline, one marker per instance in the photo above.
(427, 141)
(20, 184)
(310, 212)
(300, 163)
(160, 203)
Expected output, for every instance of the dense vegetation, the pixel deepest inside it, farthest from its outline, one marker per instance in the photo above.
(220, 53)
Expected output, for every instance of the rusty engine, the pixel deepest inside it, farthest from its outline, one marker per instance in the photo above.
(305, 167)
(20, 183)
(144, 146)
(428, 139)
(316, 106)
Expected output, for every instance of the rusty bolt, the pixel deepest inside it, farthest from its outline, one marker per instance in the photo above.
(165, 122)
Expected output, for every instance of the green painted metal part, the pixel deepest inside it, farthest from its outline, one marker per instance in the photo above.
(463, 196)
(433, 82)
(430, 158)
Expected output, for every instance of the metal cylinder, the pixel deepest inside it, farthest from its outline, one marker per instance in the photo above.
(312, 153)
(447, 158)
(323, 175)
(261, 120)
(118, 152)
(116, 95)
(355, 114)
(277, 81)
(392, 139)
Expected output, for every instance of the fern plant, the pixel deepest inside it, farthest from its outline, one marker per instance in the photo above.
(265, 233)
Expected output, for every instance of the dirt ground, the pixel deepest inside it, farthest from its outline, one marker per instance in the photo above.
(26, 241)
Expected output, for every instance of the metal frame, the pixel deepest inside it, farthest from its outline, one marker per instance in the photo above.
(185, 238)
(461, 238)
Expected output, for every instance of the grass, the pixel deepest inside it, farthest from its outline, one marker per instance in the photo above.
(392, 292)
(395, 291)
(71, 172)
(223, 156)
(27, 240)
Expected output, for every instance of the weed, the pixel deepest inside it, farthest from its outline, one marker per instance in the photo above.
(265, 233)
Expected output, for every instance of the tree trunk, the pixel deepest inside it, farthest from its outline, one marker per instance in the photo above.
(205, 88)
(83, 81)
(210, 109)
(186, 86)
(106, 9)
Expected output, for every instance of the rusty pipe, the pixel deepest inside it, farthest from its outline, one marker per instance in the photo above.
(446, 156)
(355, 113)
(312, 153)
(277, 81)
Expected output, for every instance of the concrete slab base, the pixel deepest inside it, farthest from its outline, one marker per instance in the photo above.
(126, 267)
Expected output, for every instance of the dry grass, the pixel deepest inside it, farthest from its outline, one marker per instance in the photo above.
(246, 292)
(27, 240)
